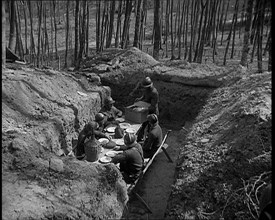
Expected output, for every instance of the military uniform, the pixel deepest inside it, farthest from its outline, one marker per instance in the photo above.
(131, 162)
(153, 140)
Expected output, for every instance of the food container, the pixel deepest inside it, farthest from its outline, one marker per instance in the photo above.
(136, 114)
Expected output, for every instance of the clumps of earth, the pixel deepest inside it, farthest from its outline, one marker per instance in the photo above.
(221, 125)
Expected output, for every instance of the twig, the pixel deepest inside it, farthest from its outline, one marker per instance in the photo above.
(264, 183)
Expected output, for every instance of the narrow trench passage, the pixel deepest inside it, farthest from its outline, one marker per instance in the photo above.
(155, 186)
(179, 106)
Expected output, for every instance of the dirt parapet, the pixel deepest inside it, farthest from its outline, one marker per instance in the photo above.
(42, 111)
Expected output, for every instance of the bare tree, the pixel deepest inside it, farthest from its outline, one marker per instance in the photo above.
(4, 34)
(126, 24)
(137, 25)
(111, 24)
(76, 31)
(172, 36)
(98, 26)
(199, 30)
(12, 37)
(143, 23)
(167, 26)
(230, 32)
(32, 50)
(224, 21)
(186, 28)
(87, 30)
(55, 29)
(247, 31)
(202, 40)
(67, 33)
(26, 29)
(118, 26)
(157, 38)
(234, 31)
(180, 29)
(39, 12)
(260, 36)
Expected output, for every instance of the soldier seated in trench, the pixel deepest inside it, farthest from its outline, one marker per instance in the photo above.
(150, 136)
(110, 112)
(131, 160)
(86, 133)
(101, 121)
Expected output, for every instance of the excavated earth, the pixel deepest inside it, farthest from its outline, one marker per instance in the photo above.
(220, 141)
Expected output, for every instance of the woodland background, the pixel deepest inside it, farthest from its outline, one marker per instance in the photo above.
(65, 32)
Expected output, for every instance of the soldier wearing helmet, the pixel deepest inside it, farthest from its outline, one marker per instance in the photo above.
(150, 95)
(131, 160)
(152, 136)
(86, 133)
(101, 125)
(110, 111)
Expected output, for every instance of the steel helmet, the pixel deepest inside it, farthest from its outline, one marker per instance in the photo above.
(129, 138)
(109, 100)
(152, 118)
(147, 82)
(99, 117)
(90, 126)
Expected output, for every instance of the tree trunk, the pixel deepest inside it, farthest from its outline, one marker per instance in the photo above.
(26, 29)
(87, 30)
(214, 38)
(234, 31)
(247, 31)
(111, 24)
(55, 29)
(98, 26)
(119, 13)
(186, 29)
(76, 31)
(172, 36)
(202, 41)
(157, 38)
(3, 34)
(270, 52)
(126, 24)
(230, 33)
(21, 47)
(47, 47)
(67, 33)
(32, 50)
(137, 25)
(39, 12)
(200, 29)
(143, 23)
(193, 7)
(167, 26)
(180, 29)
(225, 17)
(260, 38)
(12, 37)
(82, 33)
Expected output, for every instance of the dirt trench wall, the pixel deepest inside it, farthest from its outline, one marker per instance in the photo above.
(42, 111)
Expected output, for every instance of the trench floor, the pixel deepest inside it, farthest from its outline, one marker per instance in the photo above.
(156, 185)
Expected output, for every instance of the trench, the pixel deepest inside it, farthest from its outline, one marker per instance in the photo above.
(179, 106)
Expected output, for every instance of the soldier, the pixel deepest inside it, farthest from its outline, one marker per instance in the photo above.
(154, 136)
(110, 111)
(131, 160)
(150, 95)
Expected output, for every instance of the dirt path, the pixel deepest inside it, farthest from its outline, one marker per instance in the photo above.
(155, 187)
